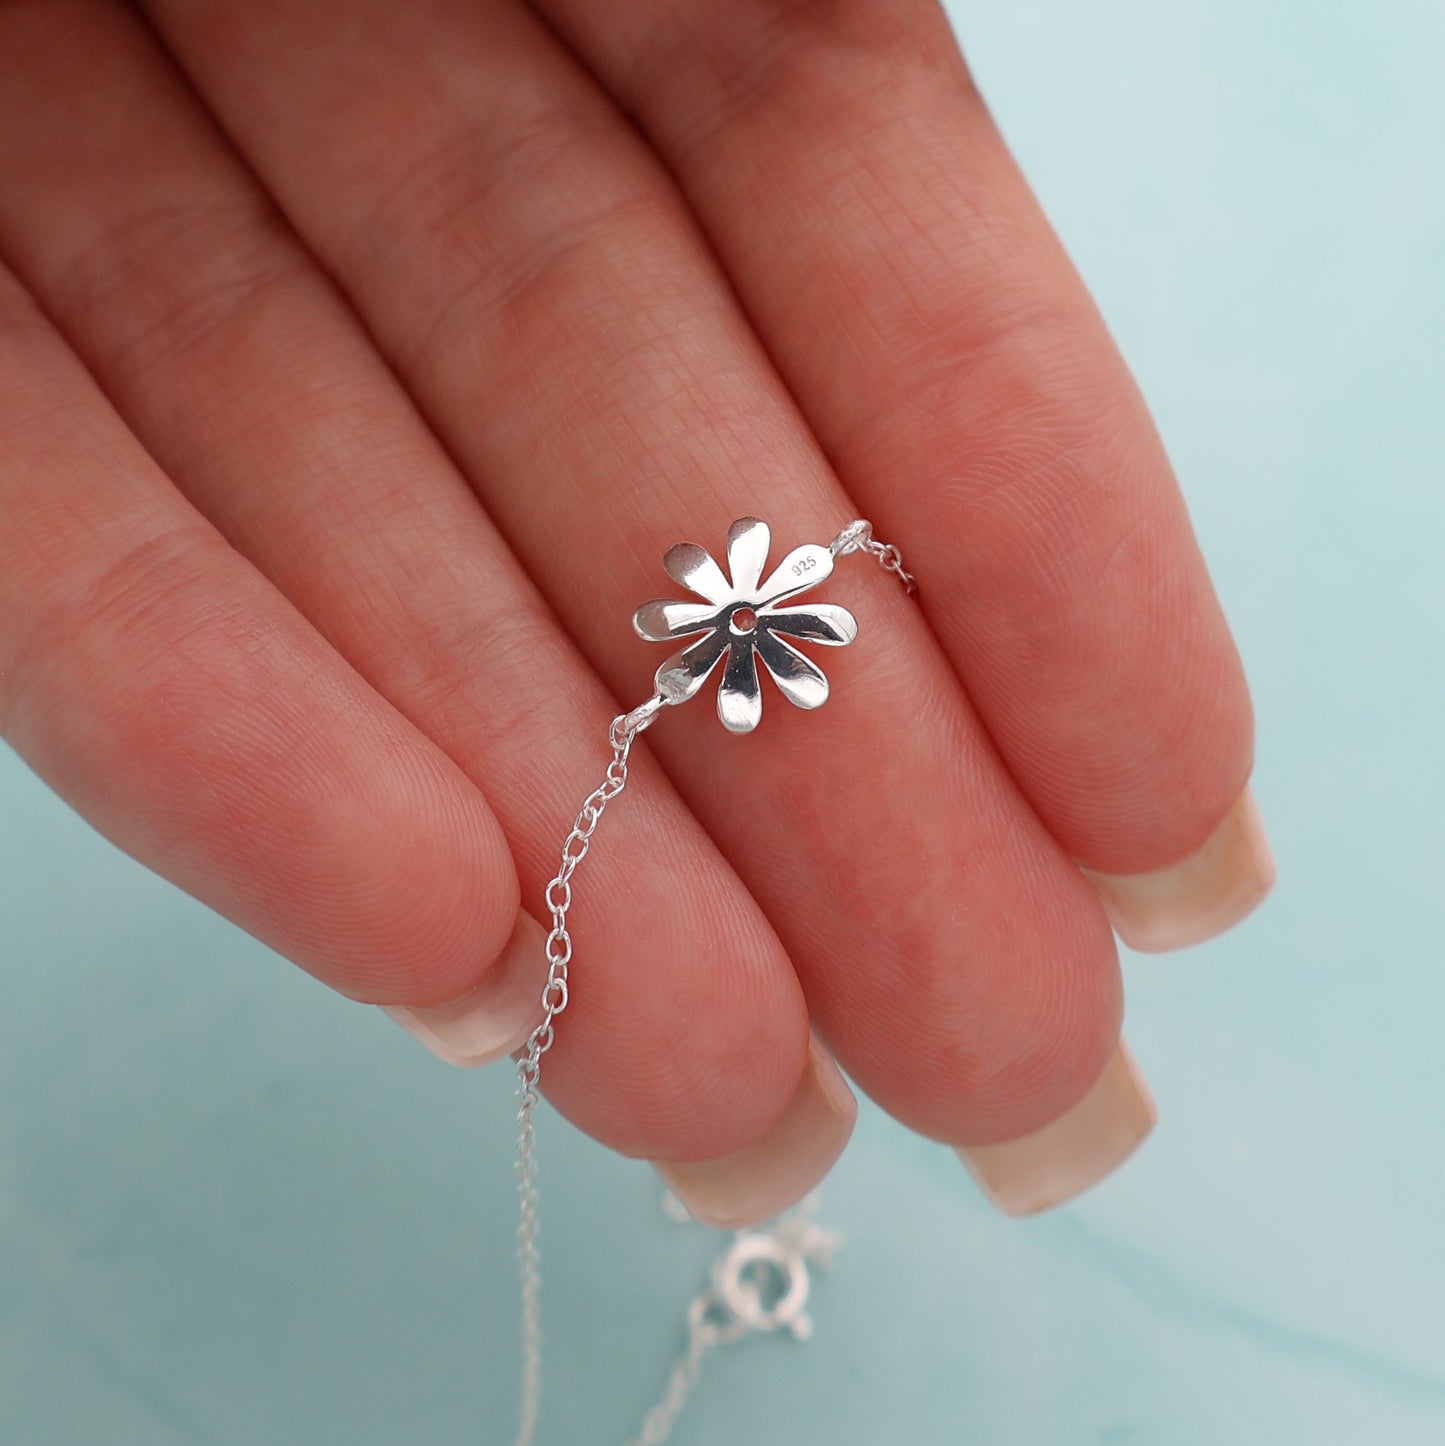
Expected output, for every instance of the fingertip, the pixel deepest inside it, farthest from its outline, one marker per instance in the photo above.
(1206, 893)
(762, 1179)
(1071, 1154)
(438, 905)
(494, 1018)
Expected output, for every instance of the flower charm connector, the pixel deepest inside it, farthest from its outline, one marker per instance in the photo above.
(743, 620)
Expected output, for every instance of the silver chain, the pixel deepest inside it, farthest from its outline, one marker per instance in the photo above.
(558, 896)
(713, 1318)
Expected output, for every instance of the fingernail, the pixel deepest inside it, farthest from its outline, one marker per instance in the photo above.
(763, 1179)
(497, 1016)
(1205, 894)
(1066, 1158)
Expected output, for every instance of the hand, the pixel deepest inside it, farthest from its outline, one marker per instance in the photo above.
(358, 361)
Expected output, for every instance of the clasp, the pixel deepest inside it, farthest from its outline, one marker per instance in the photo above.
(763, 1285)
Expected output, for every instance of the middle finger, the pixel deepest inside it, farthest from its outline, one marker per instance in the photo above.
(528, 270)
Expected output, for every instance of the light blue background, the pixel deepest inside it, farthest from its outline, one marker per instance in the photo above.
(235, 1209)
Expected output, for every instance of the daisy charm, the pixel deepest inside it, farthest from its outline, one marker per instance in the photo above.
(743, 620)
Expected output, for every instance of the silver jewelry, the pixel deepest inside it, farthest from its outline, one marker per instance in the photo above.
(741, 618)
(760, 1283)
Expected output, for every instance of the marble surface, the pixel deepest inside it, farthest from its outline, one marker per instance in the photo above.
(235, 1209)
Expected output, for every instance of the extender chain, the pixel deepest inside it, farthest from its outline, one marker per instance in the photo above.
(761, 1282)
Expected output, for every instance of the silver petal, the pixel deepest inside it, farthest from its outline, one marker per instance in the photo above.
(748, 542)
(660, 620)
(801, 569)
(692, 567)
(684, 673)
(800, 680)
(820, 623)
(739, 699)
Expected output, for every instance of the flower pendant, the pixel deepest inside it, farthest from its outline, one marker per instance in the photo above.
(743, 620)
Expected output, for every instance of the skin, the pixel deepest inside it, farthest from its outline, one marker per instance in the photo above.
(358, 362)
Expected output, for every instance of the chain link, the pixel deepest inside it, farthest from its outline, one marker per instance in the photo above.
(558, 896)
(858, 537)
(704, 1332)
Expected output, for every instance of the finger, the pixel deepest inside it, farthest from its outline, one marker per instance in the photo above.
(507, 240)
(953, 366)
(165, 689)
(246, 374)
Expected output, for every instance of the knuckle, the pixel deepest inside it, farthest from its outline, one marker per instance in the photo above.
(142, 603)
(176, 273)
(494, 268)
(727, 57)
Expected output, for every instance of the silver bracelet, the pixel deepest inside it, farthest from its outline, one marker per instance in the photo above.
(740, 619)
